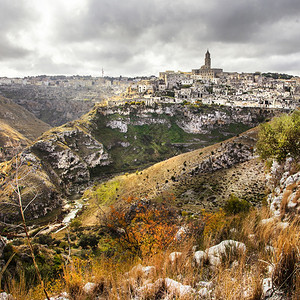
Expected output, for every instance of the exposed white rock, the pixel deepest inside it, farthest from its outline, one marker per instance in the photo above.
(178, 288)
(118, 124)
(146, 288)
(29, 157)
(204, 293)
(5, 296)
(125, 144)
(207, 284)
(267, 287)
(214, 260)
(89, 287)
(268, 221)
(146, 271)
(62, 296)
(174, 255)
(283, 225)
(284, 185)
(99, 158)
(215, 253)
(200, 257)
(149, 121)
(181, 233)
(66, 158)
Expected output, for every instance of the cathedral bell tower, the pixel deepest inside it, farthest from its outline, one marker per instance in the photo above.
(207, 60)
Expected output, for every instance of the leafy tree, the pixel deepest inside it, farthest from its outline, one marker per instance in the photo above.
(280, 138)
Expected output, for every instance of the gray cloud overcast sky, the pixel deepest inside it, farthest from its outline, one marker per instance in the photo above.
(136, 37)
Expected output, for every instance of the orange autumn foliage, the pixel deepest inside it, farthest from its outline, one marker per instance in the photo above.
(146, 230)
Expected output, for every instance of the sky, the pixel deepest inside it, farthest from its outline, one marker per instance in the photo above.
(144, 37)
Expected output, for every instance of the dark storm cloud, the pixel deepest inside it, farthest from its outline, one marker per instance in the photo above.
(242, 21)
(141, 37)
(14, 18)
(11, 51)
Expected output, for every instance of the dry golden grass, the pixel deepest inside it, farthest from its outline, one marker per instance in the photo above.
(238, 277)
(26, 123)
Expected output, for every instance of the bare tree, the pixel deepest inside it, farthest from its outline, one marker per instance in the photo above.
(16, 185)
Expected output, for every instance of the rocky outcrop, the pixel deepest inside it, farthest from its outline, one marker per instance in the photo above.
(284, 182)
(194, 120)
(228, 155)
(69, 155)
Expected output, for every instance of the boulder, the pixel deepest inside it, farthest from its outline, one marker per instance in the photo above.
(174, 255)
(215, 253)
(204, 293)
(200, 257)
(177, 288)
(181, 233)
(207, 284)
(145, 271)
(5, 296)
(89, 287)
(62, 296)
(267, 287)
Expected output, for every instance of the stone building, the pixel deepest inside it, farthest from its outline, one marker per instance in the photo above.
(206, 72)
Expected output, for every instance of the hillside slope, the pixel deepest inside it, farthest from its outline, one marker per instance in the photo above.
(18, 127)
(201, 179)
(66, 159)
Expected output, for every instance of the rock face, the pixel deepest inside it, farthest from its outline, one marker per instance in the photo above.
(284, 183)
(230, 154)
(70, 155)
(64, 160)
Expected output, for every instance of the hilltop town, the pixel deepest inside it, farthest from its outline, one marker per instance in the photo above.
(205, 85)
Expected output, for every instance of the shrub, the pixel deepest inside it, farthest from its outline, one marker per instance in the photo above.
(280, 137)
(142, 230)
(44, 239)
(234, 205)
(89, 241)
(214, 222)
(75, 224)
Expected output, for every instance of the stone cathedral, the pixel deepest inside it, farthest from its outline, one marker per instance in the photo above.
(206, 72)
